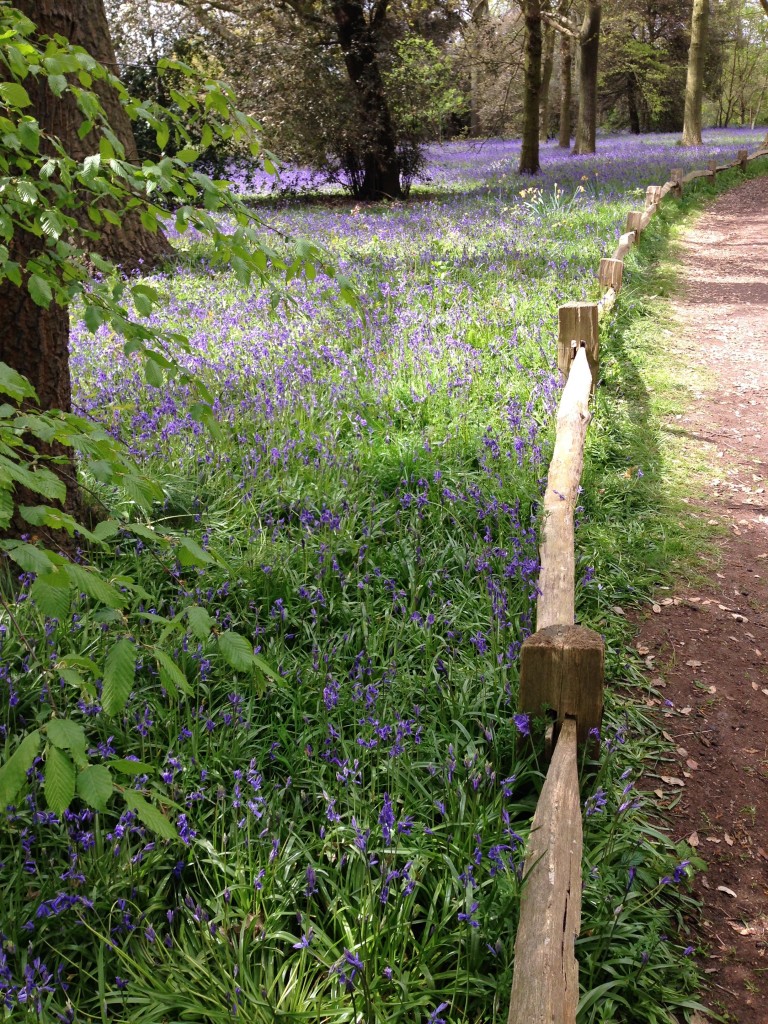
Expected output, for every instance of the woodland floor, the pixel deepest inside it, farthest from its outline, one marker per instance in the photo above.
(707, 647)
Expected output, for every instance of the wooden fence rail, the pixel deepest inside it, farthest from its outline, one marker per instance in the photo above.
(562, 664)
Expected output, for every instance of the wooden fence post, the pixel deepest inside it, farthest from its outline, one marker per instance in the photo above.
(562, 669)
(578, 322)
(712, 168)
(635, 222)
(652, 196)
(610, 274)
(676, 176)
(741, 156)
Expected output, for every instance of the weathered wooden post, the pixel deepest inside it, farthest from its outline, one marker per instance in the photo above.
(562, 670)
(635, 222)
(676, 176)
(610, 274)
(577, 328)
(712, 168)
(652, 196)
(741, 156)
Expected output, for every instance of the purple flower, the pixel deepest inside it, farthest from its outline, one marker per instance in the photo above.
(387, 819)
(305, 940)
(434, 1017)
(522, 723)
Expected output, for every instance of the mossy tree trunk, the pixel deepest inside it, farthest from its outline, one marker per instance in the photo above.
(529, 154)
(546, 80)
(589, 47)
(566, 92)
(694, 83)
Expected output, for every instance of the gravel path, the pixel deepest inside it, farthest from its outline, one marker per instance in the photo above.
(708, 648)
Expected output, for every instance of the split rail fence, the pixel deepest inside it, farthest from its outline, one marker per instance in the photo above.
(562, 664)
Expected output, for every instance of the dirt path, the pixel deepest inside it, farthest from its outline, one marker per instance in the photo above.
(708, 648)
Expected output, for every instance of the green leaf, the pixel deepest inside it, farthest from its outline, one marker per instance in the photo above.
(6, 507)
(105, 529)
(171, 676)
(162, 135)
(119, 674)
(200, 622)
(153, 373)
(189, 552)
(237, 651)
(69, 675)
(95, 786)
(122, 764)
(40, 290)
(95, 586)
(44, 515)
(154, 819)
(51, 593)
(57, 84)
(59, 774)
(67, 735)
(30, 558)
(14, 385)
(42, 481)
(266, 669)
(13, 774)
(14, 95)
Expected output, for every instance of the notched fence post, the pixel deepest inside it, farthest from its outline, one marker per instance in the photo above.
(676, 177)
(741, 156)
(562, 670)
(578, 323)
(610, 274)
(635, 222)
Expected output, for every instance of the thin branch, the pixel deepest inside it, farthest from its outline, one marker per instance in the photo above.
(563, 26)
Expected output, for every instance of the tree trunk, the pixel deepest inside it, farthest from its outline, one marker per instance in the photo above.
(589, 43)
(380, 162)
(566, 60)
(84, 23)
(694, 83)
(479, 17)
(546, 79)
(529, 154)
(634, 114)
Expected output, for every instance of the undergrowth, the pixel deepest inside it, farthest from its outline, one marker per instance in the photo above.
(351, 827)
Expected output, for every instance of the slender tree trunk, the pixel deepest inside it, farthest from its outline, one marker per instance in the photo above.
(479, 17)
(634, 114)
(84, 23)
(694, 84)
(546, 79)
(566, 60)
(379, 159)
(589, 44)
(529, 154)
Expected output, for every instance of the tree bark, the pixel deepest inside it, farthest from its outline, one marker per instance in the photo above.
(380, 160)
(694, 83)
(589, 44)
(529, 154)
(84, 23)
(634, 114)
(566, 60)
(546, 79)
(479, 17)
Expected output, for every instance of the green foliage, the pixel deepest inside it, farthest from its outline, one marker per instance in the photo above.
(64, 204)
(422, 92)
